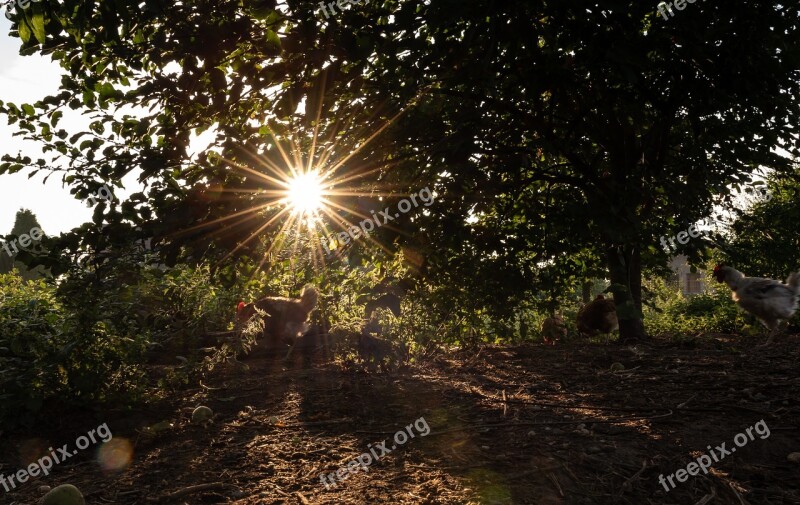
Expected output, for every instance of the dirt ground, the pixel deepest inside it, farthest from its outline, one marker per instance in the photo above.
(507, 425)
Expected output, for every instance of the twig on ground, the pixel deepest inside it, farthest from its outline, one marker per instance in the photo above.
(210, 486)
(742, 501)
(684, 404)
(314, 423)
(531, 423)
(554, 480)
(707, 498)
(627, 484)
(208, 388)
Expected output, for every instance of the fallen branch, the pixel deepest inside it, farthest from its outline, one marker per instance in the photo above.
(210, 486)
(314, 423)
(529, 423)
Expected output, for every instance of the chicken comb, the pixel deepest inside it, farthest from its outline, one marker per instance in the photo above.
(717, 268)
(240, 307)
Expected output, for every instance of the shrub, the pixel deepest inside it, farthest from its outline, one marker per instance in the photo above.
(50, 354)
(670, 313)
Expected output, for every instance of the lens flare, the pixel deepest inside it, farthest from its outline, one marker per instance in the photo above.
(115, 455)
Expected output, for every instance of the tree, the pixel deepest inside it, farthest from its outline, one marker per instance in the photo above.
(637, 124)
(24, 224)
(6, 262)
(762, 241)
(556, 127)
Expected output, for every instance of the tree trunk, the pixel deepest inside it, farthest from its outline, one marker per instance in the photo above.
(586, 291)
(624, 268)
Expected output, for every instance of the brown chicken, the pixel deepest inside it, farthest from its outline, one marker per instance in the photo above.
(598, 317)
(286, 317)
(769, 300)
(376, 350)
(553, 329)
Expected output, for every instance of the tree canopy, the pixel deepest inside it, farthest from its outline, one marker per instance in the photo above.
(560, 138)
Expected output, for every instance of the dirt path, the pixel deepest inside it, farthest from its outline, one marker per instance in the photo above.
(570, 431)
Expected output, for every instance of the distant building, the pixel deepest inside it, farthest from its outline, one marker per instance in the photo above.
(682, 277)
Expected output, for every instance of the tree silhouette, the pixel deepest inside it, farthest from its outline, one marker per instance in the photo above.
(24, 223)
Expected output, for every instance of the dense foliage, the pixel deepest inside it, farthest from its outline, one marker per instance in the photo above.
(560, 140)
(570, 133)
(51, 356)
(673, 315)
(764, 239)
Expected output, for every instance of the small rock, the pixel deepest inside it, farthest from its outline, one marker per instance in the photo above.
(202, 414)
(617, 367)
(794, 457)
(65, 494)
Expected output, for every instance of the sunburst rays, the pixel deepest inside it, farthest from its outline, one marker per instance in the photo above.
(302, 185)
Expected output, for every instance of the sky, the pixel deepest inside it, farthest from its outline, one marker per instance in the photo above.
(26, 80)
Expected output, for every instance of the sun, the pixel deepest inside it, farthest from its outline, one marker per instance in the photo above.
(304, 194)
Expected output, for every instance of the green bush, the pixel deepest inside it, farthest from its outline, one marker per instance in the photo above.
(32, 330)
(670, 313)
(51, 354)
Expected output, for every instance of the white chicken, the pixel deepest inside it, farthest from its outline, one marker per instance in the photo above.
(769, 300)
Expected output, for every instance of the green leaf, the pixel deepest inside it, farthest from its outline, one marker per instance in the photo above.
(37, 20)
(106, 91)
(55, 117)
(218, 78)
(24, 31)
(273, 40)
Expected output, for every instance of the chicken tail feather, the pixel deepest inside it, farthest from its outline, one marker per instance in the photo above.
(309, 297)
(794, 282)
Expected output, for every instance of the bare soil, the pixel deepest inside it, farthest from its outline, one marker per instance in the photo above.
(508, 425)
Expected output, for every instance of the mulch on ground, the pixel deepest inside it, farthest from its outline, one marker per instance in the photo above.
(528, 424)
